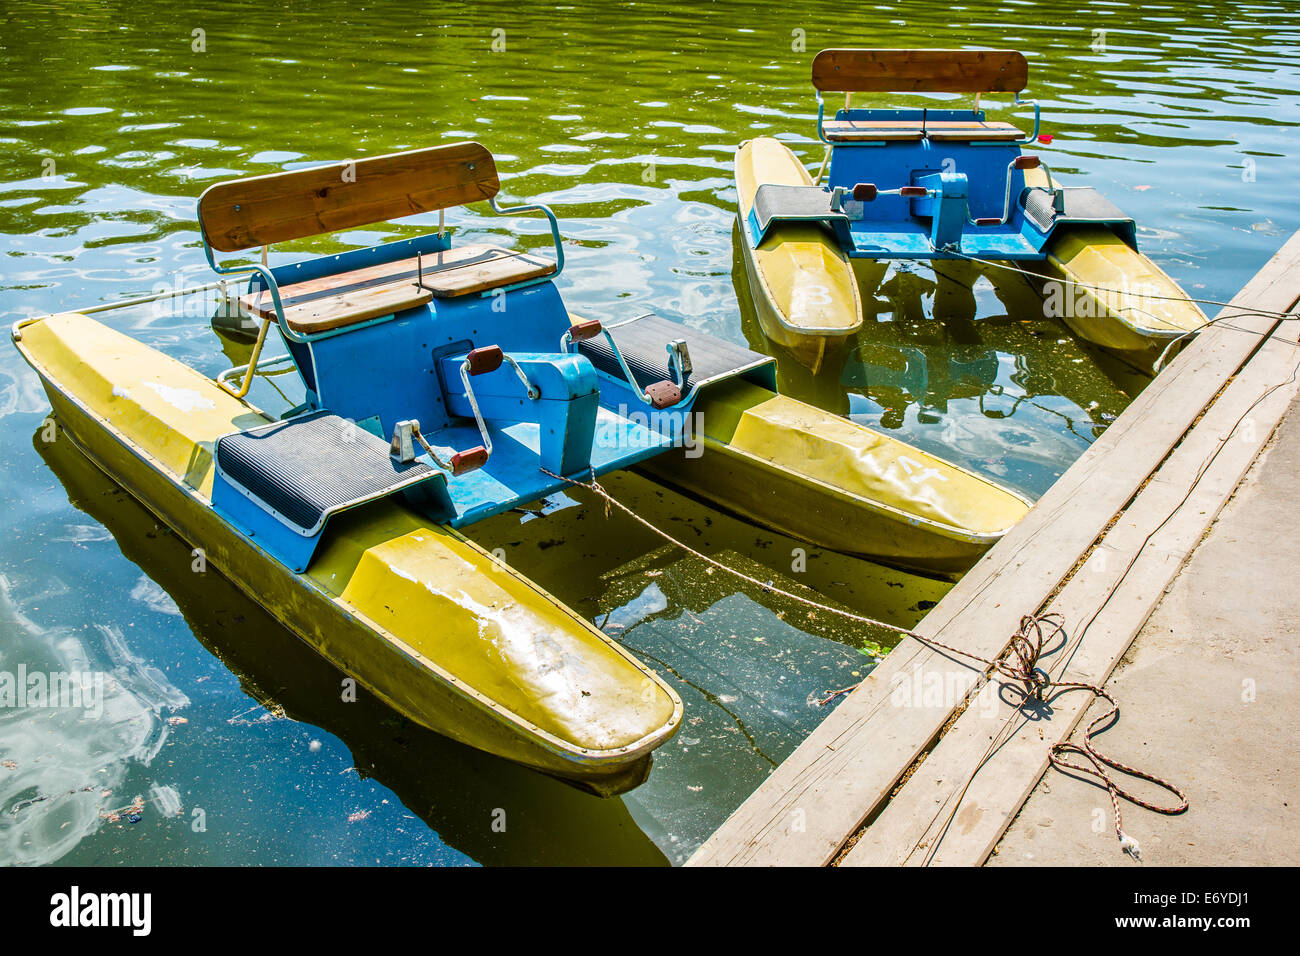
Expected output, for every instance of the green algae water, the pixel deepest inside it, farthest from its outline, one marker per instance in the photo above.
(221, 738)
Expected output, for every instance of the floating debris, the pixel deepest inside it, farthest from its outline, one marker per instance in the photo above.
(165, 799)
(134, 811)
(273, 712)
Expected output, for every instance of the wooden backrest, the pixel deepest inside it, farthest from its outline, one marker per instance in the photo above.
(920, 71)
(262, 210)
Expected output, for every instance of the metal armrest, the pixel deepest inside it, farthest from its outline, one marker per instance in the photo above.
(1033, 137)
(268, 278)
(555, 229)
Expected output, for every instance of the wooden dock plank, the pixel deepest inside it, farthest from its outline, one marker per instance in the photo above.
(846, 769)
(954, 809)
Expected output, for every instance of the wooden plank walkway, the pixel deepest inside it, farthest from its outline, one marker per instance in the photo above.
(1135, 504)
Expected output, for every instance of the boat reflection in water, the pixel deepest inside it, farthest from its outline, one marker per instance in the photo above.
(958, 358)
(455, 789)
(66, 757)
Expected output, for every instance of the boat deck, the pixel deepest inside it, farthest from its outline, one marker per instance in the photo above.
(894, 776)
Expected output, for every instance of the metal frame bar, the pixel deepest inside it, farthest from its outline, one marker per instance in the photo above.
(555, 238)
(821, 118)
(267, 277)
(473, 404)
(1031, 138)
(243, 370)
(1006, 198)
(16, 328)
(247, 381)
(1037, 118)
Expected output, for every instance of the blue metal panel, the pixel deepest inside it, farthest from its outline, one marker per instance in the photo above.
(512, 476)
(387, 368)
(903, 164)
(270, 534)
(565, 413)
(382, 370)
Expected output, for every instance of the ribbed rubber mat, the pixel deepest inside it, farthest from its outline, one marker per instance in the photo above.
(1081, 203)
(642, 343)
(773, 201)
(305, 468)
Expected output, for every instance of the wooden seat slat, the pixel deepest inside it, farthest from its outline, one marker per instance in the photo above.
(857, 130)
(871, 130)
(966, 133)
(359, 305)
(483, 275)
(334, 301)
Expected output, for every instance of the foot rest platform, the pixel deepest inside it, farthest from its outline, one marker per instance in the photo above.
(1080, 204)
(280, 483)
(643, 343)
(776, 203)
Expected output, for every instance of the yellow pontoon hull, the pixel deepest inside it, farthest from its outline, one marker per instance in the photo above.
(804, 287)
(422, 617)
(812, 475)
(1111, 295)
(453, 788)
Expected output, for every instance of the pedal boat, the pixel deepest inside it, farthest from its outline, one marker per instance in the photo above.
(931, 184)
(445, 386)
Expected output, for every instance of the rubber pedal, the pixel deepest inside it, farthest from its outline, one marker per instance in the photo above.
(662, 394)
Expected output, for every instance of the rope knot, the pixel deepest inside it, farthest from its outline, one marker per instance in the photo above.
(1021, 660)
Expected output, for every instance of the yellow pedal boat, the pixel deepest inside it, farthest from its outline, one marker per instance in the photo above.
(419, 614)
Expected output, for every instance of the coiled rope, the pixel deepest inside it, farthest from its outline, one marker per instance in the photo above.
(1018, 664)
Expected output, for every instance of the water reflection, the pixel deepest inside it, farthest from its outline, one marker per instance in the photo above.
(454, 789)
(65, 760)
(958, 358)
